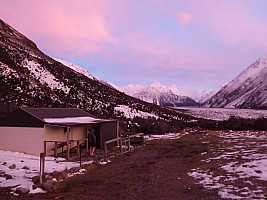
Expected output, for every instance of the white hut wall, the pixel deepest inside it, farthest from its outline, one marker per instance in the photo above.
(53, 133)
(27, 140)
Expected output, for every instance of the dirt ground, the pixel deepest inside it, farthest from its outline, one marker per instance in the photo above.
(158, 171)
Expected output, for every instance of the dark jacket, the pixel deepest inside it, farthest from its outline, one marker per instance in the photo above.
(91, 137)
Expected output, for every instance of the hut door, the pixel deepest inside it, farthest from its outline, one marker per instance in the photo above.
(98, 135)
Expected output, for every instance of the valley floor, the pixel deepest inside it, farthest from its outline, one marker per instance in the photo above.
(215, 165)
(221, 114)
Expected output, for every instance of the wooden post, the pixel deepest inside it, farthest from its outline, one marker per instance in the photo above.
(42, 165)
(129, 144)
(68, 146)
(86, 141)
(106, 150)
(100, 136)
(87, 146)
(78, 148)
(45, 147)
(120, 145)
(55, 150)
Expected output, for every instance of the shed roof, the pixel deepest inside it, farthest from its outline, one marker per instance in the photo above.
(54, 116)
(42, 113)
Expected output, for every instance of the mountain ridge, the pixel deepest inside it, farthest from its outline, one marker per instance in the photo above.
(158, 94)
(247, 90)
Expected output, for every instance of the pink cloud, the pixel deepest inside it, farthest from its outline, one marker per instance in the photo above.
(64, 27)
(234, 22)
(184, 18)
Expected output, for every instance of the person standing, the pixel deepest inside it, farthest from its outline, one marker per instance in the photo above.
(91, 141)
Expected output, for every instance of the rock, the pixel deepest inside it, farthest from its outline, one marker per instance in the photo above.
(25, 167)
(48, 177)
(36, 180)
(7, 176)
(34, 186)
(47, 186)
(60, 175)
(74, 170)
(12, 166)
(21, 190)
(50, 182)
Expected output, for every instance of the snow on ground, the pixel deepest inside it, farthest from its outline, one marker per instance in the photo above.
(23, 167)
(221, 114)
(169, 136)
(241, 171)
(242, 167)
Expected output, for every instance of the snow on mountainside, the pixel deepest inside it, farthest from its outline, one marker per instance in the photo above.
(81, 70)
(76, 68)
(247, 90)
(206, 95)
(158, 94)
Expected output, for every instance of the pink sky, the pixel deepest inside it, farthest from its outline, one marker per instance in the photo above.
(188, 43)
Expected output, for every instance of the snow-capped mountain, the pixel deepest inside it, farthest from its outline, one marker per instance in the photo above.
(33, 79)
(158, 94)
(247, 90)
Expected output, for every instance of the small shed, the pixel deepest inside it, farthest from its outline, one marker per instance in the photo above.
(36, 130)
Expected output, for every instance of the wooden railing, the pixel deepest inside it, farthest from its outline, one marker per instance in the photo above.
(61, 144)
(124, 142)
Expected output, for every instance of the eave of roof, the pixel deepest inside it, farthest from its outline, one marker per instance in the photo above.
(75, 121)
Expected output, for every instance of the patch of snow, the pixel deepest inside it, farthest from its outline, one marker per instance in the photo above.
(132, 113)
(37, 190)
(25, 167)
(168, 136)
(71, 120)
(245, 161)
(81, 70)
(45, 77)
(76, 68)
(6, 71)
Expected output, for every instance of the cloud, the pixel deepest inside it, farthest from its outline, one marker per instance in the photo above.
(61, 27)
(184, 18)
(152, 40)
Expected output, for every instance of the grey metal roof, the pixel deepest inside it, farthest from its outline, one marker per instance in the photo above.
(42, 113)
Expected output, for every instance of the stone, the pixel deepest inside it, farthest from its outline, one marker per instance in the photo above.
(7, 176)
(47, 186)
(21, 190)
(74, 169)
(12, 166)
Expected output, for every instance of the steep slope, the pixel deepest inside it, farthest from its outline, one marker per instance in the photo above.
(158, 94)
(206, 95)
(81, 70)
(247, 90)
(33, 79)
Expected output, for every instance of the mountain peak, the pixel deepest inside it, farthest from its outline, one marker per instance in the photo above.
(247, 90)
(157, 93)
(157, 84)
(160, 87)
